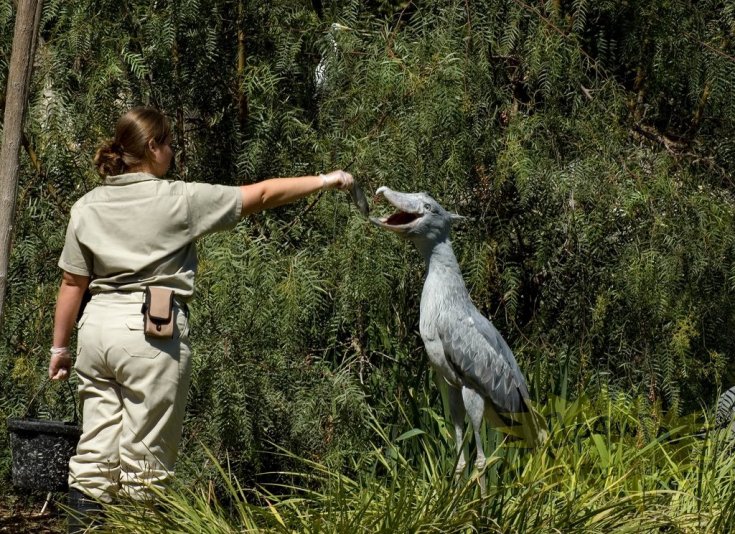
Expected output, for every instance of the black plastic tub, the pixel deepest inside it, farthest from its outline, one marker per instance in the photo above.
(41, 450)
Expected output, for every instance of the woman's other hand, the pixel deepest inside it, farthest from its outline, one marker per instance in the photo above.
(60, 365)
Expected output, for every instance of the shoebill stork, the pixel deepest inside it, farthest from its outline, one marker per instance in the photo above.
(463, 346)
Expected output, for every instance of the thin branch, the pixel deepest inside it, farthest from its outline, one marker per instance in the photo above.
(308, 208)
(31, 154)
(674, 146)
(710, 47)
(394, 31)
(242, 97)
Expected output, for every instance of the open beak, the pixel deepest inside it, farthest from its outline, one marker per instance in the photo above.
(408, 213)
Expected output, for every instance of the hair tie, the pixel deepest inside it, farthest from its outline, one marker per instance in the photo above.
(117, 148)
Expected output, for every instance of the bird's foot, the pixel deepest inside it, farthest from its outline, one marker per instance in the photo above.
(480, 464)
(459, 470)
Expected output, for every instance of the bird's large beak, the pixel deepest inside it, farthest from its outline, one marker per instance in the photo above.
(408, 214)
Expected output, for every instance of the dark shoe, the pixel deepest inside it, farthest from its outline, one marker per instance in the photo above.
(83, 513)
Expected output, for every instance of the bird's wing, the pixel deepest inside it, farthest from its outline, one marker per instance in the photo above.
(480, 355)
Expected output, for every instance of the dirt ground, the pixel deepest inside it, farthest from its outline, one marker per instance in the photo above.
(21, 513)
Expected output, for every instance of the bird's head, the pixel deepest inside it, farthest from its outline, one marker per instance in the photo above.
(419, 217)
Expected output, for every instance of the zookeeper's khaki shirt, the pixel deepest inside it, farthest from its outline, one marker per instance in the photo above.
(136, 230)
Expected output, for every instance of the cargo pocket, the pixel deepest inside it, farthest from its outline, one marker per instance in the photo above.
(81, 335)
(182, 324)
(136, 344)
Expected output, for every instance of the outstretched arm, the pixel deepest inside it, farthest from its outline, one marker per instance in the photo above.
(70, 296)
(279, 191)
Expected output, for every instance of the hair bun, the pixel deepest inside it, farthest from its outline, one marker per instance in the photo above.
(109, 158)
(128, 148)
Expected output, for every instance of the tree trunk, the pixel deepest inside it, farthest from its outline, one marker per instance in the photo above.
(27, 20)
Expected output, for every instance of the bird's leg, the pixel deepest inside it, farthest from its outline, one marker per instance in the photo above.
(456, 408)
(474, 403)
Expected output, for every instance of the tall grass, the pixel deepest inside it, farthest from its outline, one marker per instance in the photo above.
(602, 470)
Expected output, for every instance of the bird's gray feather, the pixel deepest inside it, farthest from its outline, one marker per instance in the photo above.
(479, 354)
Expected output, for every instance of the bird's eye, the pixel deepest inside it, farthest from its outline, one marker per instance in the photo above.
(427, 207)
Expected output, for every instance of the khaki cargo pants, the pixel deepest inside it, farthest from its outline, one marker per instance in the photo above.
(132, 392)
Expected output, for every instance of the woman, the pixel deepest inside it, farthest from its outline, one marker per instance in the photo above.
(134, 232)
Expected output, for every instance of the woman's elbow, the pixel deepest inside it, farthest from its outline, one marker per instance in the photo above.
(75, 280)
(254, 198)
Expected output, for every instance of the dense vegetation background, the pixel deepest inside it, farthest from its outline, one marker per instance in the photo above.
(590, 143)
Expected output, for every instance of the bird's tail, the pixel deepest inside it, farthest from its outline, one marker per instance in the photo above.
(528, 428)
(536, 430)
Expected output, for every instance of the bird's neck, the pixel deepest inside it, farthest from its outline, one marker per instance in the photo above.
(440, 259)
(444, 286)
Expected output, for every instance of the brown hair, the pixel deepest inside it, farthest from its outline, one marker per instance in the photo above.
(129, 148)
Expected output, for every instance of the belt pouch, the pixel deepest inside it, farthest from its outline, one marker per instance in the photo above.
(158, 316)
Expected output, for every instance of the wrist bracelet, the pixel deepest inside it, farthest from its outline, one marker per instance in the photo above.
(56, 351)
(324, 180)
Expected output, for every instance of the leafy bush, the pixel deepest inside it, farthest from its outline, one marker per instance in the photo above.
(589, 144)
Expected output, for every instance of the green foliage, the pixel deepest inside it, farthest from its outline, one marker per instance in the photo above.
(597, 473)
(589, 144)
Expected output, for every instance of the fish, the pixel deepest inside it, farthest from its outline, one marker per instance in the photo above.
(358, 197)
